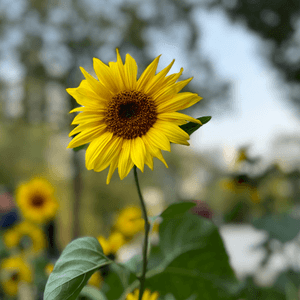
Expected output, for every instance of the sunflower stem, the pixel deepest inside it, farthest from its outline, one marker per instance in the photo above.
(147, 228)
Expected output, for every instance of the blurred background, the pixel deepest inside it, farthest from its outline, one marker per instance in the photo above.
(242, 167)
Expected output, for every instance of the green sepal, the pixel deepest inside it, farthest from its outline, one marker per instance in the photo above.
(191, 127)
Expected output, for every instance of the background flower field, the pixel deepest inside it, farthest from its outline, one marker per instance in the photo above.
(236, 187)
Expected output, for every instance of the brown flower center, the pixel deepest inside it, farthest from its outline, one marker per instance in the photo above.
(37, 200)
(130, 114)
(15, 276)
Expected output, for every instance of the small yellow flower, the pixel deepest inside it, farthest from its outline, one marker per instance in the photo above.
(242, 155)
(25, 235)
(111, 245)
(49, 268)
(36, 200)
(146, 295)
(96, 279)
(128, 121)
(14, 270)
(129, 222)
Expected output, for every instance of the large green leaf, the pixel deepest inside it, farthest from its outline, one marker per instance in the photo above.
(192, 261)
(177, 209)
(80, 259)
(191, 127)
(118, 281)
(281, 227)
(92, 293)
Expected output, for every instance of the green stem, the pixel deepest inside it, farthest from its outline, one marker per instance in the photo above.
(147, 228)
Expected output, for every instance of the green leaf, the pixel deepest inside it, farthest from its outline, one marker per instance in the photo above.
(191, 127)
(177, 209)
(118, 281)
(192, 261)
(92, 293)
(80, 259)
(281, 227)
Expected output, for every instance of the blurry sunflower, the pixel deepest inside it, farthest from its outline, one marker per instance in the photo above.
(49, 268)
(128, 121)
(146, 295)
(36, 200)
(111, 245)
(14, 270)
(96, 280)
(26, 236)
(129, 222)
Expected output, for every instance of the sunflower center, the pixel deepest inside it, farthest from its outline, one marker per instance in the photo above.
(37, 200)
(15, 276)
(130, 114)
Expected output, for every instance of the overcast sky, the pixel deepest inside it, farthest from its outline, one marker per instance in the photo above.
(261, 109)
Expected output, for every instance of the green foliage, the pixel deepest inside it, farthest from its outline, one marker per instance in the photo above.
(191, 127)
(177, 210)
(80, 259)
(92, 293)
(282, 227)
(192, 260)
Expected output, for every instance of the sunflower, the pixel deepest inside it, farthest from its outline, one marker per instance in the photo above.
(128, 121)
(36, 200)
(14, 270)
(49, 268)
(146, 296)
(129, 221)
(96, 280)
(111, 245)
(25, 235)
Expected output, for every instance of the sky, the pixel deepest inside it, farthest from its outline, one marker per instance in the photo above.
(260, 104)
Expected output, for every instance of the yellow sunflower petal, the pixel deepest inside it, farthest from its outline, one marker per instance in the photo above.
(131, 72)
(174, 133)
(158, 139)
(108, 153)
(156, 81)
(100, 89)
(105, 75)
(125, 162)
(113, 166)
(154, 151)
(138, 152)
(87, 136)
(119, 72)
(147, 74)
(83, 100)
(87, 117)
(95, 149)
(149, 160)
(171, 116)
(178, 102)
(82, 127)
(167, 86)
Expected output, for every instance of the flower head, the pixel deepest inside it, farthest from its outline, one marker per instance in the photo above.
(13, 271)
(128, 121)
(25, 235)
(111, 245)
(36, 200)
(96, 279)
(129, 222)
(146, 296)
(49, 268)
